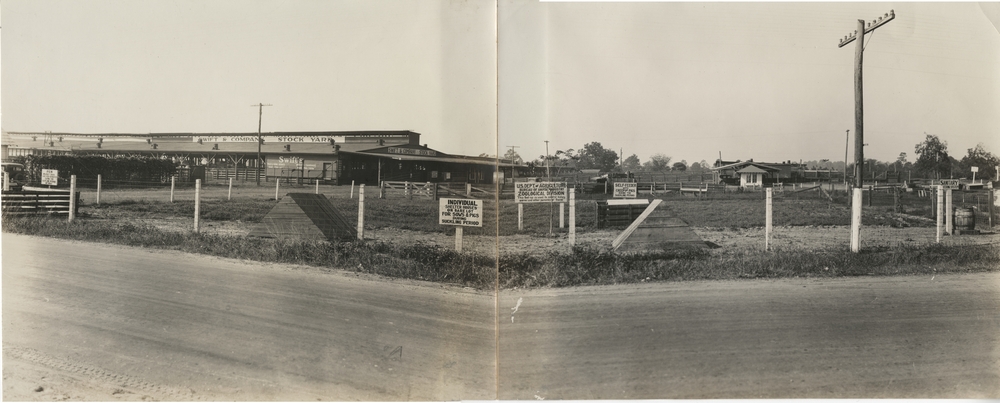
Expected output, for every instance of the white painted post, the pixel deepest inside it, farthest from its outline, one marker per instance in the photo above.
(381, 190)
(197, 203)
(949, 224)
(98, 189)
(173, 180)
(562, 215)
(72, 197)
(468, 189)
(6, 181)
(856, 220)
(458, 238)
(317, 186)
(940, 212)
(361, 210)
(767, 220)
(572, 219)
(409, 193)
(520, 216)
(352, 189)
(277, 184)
(230, 196)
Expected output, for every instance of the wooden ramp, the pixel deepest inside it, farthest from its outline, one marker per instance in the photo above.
(657, 230)
(305, 216)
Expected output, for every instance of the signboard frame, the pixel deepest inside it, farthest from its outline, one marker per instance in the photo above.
(50, 177)
(626, 190)
(541, 192)
(469, 207)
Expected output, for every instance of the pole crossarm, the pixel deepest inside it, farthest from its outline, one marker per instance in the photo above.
(869, 27)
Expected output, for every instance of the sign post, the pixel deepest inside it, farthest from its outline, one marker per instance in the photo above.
(460, 213)
(98, 189)
(974, 170)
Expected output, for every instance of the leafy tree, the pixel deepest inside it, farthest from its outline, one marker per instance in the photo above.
(631, 163)
(513, 156)
(657, 163)
(933, 159)
(979, 157)
(594, 155)
(680, 166)
(696, 167)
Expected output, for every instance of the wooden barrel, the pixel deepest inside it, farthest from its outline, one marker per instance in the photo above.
(965, 218)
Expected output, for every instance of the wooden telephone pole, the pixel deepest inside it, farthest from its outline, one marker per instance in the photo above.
(859, 122)
(260, 117)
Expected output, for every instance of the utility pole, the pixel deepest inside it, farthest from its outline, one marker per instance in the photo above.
(512, 149)
(847, 145)
(859, 129)
(548, 176)
(260, 116)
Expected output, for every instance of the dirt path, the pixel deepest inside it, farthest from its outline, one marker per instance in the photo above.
(86, 321)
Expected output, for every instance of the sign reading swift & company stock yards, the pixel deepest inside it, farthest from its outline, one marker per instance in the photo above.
(463, 212)
(540, 192)
(626, 190)
(50, 177)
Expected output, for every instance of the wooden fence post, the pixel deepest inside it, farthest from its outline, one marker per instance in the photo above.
(562, 215)
(98, 189)
(197, 203)
(277, 184)
(317, 186)
(572, 219)
(520, 216)
(458, 238)
(940, 212)
(361, 211)
(468, 189)
(949, 223)
(407, 190)
(767, 220)
(230, 196)
(173, 180)
(352, 189)
(72, 197)
(381, 190)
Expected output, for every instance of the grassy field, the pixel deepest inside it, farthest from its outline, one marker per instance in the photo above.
(122, 222)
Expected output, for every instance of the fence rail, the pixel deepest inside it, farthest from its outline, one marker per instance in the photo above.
(32, 202)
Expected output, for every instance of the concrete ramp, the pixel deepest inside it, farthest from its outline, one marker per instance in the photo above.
(307, 217)
(657, 230)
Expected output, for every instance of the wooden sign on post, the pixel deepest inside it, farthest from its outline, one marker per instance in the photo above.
(460, 213)
(626, 190)
(540, 192)
(50, 177)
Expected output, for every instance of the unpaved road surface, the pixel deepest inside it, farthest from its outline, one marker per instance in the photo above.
(96, 322)
(899, 337)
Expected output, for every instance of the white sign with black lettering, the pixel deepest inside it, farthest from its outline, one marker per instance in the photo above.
(540, 192)
(50, 177)
(626, 190)
(464, 212)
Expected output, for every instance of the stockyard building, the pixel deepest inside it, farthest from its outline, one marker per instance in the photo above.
(332, 157)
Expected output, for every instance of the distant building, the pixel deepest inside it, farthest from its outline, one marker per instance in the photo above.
(749, 174)
(333, 157)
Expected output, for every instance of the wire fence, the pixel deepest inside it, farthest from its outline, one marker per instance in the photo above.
(817, 213)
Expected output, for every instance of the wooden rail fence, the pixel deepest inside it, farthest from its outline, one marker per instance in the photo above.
(35, 202)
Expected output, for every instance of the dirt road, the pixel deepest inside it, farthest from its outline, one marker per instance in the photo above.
(97, 322)
(899, 337)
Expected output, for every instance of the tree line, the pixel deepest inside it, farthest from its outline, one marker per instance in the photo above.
(933, 161)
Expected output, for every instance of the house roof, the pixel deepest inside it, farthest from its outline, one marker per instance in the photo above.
(752, 169)
(739, 165)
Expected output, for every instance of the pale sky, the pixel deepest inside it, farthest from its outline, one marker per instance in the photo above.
(752, 80)
(197, 66)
